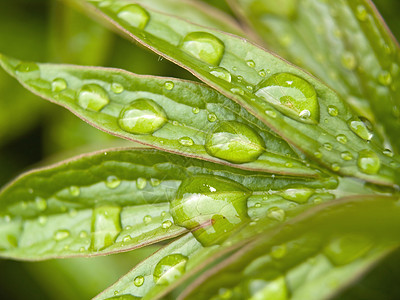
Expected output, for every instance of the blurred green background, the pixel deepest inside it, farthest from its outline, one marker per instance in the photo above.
(34, 132)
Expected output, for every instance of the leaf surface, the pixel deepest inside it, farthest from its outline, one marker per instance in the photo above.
(309, 115)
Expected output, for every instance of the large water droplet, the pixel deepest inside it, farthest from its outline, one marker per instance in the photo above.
(170, 268)
(300, 195)
(292, 95)
(368, 162)
(139, 280)
(134, 15)
(222, 74)
(113, 182)
(204, 46)
(58, 85)
(211, 207)
(348, 248)
(142, 116)
(359, 128)
(106, 225)
(235, 142)
(93, 97)
(166, 224)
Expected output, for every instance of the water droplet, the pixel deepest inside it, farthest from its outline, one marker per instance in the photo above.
(195, 110)
(270, 113)
(204, 46)
(222, 74)
(212, 117)
(346, 155)
(147, 219)
(186, 141)
(139, 280)
(28, 67)
(106, 225)
(361, 13)
(117, 88)
(276, 213)
(335, 167)
(292, 95)
(298, 195)
(92, 97)
(221, 207)
(348, 248)
(349, 61)
(328, 146)
(83, 234)
(58, 85)
(251, 63)
(42, 220)
(385, 78)
(41, 203)
(368, 162)
(235, 142)
(333, 111)
(134, 15)
(237, 91)
(170, 268)
(74, 191)
(113, 182)
(141, 183)
(126, 239)
(262, 73)
(341, 138)
(155, 182)
(142, 116)
(388, 152)
(61, 234)
(278, 252)
(166, 224)
(359, 128)
(169, 85)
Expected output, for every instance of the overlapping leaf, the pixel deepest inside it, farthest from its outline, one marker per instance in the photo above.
(364, 65)
(319, 122)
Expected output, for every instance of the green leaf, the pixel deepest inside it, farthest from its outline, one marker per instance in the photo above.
(363, 70)
(266, 86)
(169, 114)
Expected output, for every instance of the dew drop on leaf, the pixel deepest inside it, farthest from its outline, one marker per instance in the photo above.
(276, 213)
(361, 13)
(169, 85)
(221, 73)
(235, 142)
(186, 141)
(195, 110)
(92, 97)
(359, 128)
(138, 281)
(134, 15)
(251, 63)
(169, 269)
(155, 182)
(211, 207)
(141, 183)
(117, 88)
(28, 67)
(332, 110)
(328, 146)
(204, 46)
(346, 155)
(113, 182)
(341, 138)
(147, 219)
(142, 116)
(58, 85)
(106, 225)
(212, 117)
(41, 204)
(75, 191)
(368, 162)
(61, 234)
(237, 91)
(166, 224)
(388, 152)
(291, 95)
(298, 195)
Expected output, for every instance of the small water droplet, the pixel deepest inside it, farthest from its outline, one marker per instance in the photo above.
(328, 146)
(349, 60)
(61, 234)
(141, 183)
(346, 155)
(385, 78)
(74, 191)
(204, 46)
(361, 13)
(41, 203)
(359, 128)
(298, 195)
(147, 219)
(257, 205)
(155, 182)
(341, 138)
(134, 15)
(170, 268)
(117, 88)
(138, 281)
(169, 85)
(270, 113)
(333, 111)
(126, 239)
(335, 167)
(166, 224)
(237, 91)
(186, 141)
(292, 95)
(251, 63)
(262, 73)
(235, 142)
(58, 85)
(113, 182)
(368, 162)
(388, 152)
(28, 67)
(222, 74)
(142, 116)
(212, 117)
(195, 110)
(92, 97)
(276, 213)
